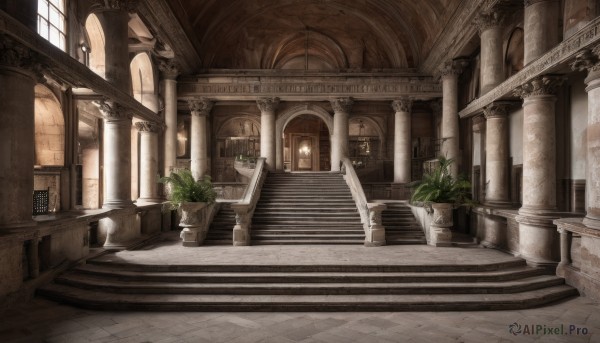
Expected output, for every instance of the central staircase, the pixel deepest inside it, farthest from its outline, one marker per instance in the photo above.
(306, 208)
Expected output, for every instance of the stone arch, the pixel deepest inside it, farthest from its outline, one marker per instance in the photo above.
(143, 81)
(97, 55)
(374, 124)
(286, 116)
(233, 119)
(49, 128)
(515, 52)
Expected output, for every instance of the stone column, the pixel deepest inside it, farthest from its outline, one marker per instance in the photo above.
(339, 139)
(492, 61)
(497, 155)
(117, 155)
(402, 140)
(267, 107)
(590, 61)
(169, 73)
(538, 238)
(17, 80)
(450, 127)
(199, 148)
(148, 162)
(541, 23)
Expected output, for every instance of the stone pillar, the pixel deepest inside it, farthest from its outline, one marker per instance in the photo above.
(538, 238)
(169, 75)
(199, 147)
(450, 127)
(492, 61)
(117, 155)
(148, 162)
(590, 61)
(17, 82)
(267, 107)
(541, 23)
(497, 155)
(339, 139)
(402, 140)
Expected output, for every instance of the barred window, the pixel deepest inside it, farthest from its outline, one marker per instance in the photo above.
(51, 21)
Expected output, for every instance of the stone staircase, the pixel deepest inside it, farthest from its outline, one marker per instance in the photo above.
(112, 284)
(306, 208)
(401, 227)
(220, 231)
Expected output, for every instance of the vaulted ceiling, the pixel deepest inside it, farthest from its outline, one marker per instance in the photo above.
(313, 34)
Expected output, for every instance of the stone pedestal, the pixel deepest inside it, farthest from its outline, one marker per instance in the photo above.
(439, 230)
(17, 81)
(119, 230)
(339, 139)
(402, 140)
(169, 74)
(268, 107)
(193, 223)
(541, 24)
(241, 230)
(497, 155)
(199, 148)
(492, 65)
(148, 162)
(450, 127)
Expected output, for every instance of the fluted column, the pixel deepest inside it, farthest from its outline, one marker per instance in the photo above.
(492, 65)
(538, 238)
(148, 161)
(17, 124)
(339, 140)
(450, 127)
(268, 107)
(590, 61)
(541, 24)
(169, 73)
(497, 154)
(117, 155)
(199, 148)
(402, 140)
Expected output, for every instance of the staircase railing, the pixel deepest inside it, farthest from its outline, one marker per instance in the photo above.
(244, 209)
(370, 213)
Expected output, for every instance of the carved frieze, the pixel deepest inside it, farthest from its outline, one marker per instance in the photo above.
(267, 104)
(402, 105)
(541, 85)
(169, 69)
(148, 126)
(342, 105)
(200, 107)
(112, 111)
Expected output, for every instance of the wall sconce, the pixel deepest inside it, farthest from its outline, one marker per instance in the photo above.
(304, 151)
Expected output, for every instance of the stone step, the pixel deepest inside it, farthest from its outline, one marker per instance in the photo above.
(308, 231)
(296, 209)
(99, 300)
(298, 220)
(308, 241)
(262, 235)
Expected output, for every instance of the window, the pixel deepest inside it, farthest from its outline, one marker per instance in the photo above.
(51, 21)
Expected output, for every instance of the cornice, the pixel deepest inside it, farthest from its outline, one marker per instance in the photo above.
(554, 60)
(63, 67)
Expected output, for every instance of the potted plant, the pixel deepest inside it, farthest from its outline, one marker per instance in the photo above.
(441, 192)
(190, 196)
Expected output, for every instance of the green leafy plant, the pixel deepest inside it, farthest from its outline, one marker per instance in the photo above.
(441, 187)
(184, 188)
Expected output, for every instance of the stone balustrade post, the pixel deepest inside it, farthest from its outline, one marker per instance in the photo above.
(339, 139)
(241, 230)
(199, 145)
(376, 235)
(402, 140)
(268, 108)
(565, 247)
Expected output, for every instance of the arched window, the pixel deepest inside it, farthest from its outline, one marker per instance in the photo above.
(515, 52)
(52, 22)
(142, 81)
(49, 129)
(97, 55)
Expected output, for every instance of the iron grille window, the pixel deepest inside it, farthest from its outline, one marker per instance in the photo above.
(52, 22)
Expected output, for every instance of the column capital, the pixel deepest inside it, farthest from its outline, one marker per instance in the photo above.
(588, 60)
(342, 105)
(498, 109)
(267, 104)
(112, 111)
(16, 55)
(114, 5)
(488, 19)
(149, 126)
(531, 2)
(453, 67)
(201, 107)
(169, 69)
(541, 85)
(402, 105)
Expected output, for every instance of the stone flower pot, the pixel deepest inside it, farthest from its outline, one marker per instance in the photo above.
(192, 221)
(441, 222)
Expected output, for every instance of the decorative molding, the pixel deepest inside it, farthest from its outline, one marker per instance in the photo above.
(201, 107)
(342, 105)
(169, 69)
(112, 111)
(402, 105)
(498, 109)
(268, 105)
(60, 66)
(16, 55)
(148, 126)
(541, 85)
(489, 19)
(553, 60)
(453, 68)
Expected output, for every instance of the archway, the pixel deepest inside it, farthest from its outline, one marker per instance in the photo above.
(237, 141)
(97, 55)
(143, 81)
(365, 147)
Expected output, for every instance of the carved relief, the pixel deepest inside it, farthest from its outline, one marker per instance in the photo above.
(13, 54)
(112, 111)
(125, 5)
(486, 20)
(169, 69)
(497, 109)
(541, 85)
(342, 105)
(453, 67)
(148, 126)
(402, 105)
(200, 107)
(587, 60)
(267, 104)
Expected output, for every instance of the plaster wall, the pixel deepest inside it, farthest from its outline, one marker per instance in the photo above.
(476, 149)
(516, 136)
(578, 129)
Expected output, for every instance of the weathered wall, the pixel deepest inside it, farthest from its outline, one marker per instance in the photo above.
(516, 136)
(578, 128)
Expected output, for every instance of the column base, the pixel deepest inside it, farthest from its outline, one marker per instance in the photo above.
(117, 204)
(149, 201)
(498, 203)
(592, 223)
(440, 236)
(539, 240)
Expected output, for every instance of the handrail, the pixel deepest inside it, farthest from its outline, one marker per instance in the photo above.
(244, 209)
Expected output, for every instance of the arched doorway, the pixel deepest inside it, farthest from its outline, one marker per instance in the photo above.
(306, 144)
